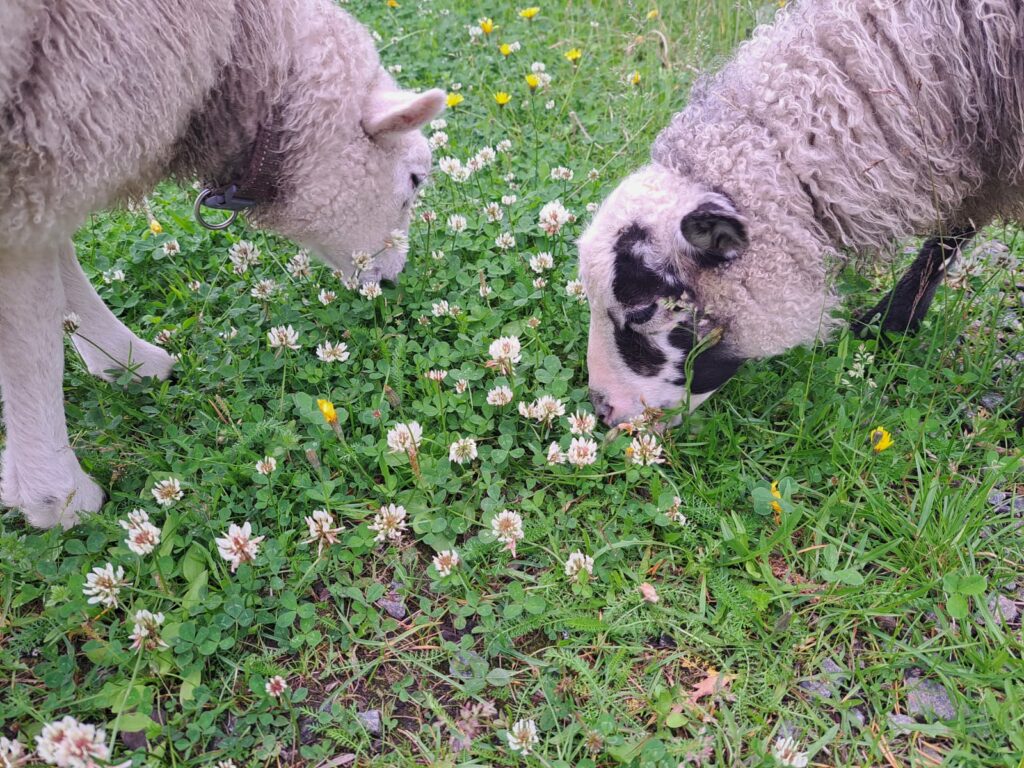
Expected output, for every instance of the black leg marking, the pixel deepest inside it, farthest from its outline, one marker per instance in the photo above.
(904, 307)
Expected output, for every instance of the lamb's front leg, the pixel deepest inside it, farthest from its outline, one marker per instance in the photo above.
(41, 474)
(104, 342)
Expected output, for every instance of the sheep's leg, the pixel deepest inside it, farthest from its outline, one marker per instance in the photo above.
(103, 341)
(904, 307)
(41, 474)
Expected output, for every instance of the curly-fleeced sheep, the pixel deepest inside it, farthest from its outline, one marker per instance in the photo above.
(844, 124)
(101, 99)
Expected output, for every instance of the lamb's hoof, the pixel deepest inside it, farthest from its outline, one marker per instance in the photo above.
(64, 507)
(141, 357)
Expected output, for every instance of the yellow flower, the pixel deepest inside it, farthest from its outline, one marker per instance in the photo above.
(327, 409)
(574, 55)
(880, 439)
(533, 81)
(506, 49)
(635, 78)
(651, 15)
(392, 3)
(154, 227)
(487, 26)
(454, 99)
(502, 98)
(775, 492)
(529, 13)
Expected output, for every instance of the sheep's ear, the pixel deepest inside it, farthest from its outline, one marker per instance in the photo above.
(717, 233)
(401, 111)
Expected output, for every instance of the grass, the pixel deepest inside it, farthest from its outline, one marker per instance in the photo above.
(819, 620)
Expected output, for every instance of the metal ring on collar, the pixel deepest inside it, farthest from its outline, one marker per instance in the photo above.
(197, 211)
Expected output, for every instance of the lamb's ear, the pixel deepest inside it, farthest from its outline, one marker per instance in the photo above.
(715, 231)
(401, 111)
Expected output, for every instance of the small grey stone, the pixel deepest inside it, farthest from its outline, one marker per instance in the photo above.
(857, 718)
(996, 498)
(1001, 605)
(392, 603)
(901, 722)
(817, 687)
(829, 667)
(993, 401)
(929, 699)
(370, 720)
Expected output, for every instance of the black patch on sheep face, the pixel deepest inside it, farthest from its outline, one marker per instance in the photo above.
(638, 352)
(635, 283)
(716, 234)
(711, 368)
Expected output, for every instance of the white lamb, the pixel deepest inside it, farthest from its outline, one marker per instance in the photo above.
(282, 107)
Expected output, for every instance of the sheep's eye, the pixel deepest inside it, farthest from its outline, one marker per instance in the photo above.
(641, 316)
(416, 180)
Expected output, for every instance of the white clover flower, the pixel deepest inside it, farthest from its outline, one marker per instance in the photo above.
(404, 438)
(362, 260)
(322, 530)
(449, 165)
(581, 423)
(239, 545)
(461, 386)
(505, 240)
(457, 222)
(146, 632)
(438, 375)
(556, 455)
(484, 290)
(549, 104)
(593, 174)
(576, 290)
(462, 450)
(577, 563)
(549, 408)
(299, 266)
(12, 753)
(499, 396)
(171, 248)
(787, 752)
(351, 282)
(243, 254)
(397, 240)
(528, 410)
(537, 67)
(561, 173)
(439, 124)
(553, 217)
(503, 146)
(505, 352)
(263, 289)
(117, 275)
(522, 736)
(494, 212)
(332, 353)
(675, 511)
(507, 527)
(592, 208)
(441, 308)
(168, 491)
(645, 450)
(582, 451)
(103, 585)
(71, 322)
(163, 338)
(437, 255)
(143, 536)
(508, 200)
(370, 291)
(389, 523)
(485, 156)
(437, 140)
(428, 217)
(539, 282)
(542, 262)
(283, 337)
(68, 743)
(276, 686)
(266, 465)
(395, 69)
(445, 562)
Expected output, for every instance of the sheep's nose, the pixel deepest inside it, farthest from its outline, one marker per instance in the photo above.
(601, 406)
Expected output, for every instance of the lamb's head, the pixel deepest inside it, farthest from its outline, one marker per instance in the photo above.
(654, 343)
(353, 181)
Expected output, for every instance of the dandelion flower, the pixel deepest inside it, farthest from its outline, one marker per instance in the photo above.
(454, 99)
(507, 527)
(634, 79)
(578, 563)
(573, 56)
(445, 562)
(155, 227)
(505, 49)
(103, 585)
(487, 26)
(532, 81)
(327, 410)
(880, 439)
(462, 450)
(322, 530)
(499, 396)
(146, 632)
(404, 438)
(332, 353)
(522, 736)
(283, 337)
(778, 495)
(239, 545)
(276, 686)
(266, 465)
(168, 491)
(582, 451)
(389, 523)
(787, 752)
(502, 98)
(529, 13)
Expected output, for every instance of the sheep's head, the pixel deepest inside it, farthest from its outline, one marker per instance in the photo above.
(353, 182)
(653, 343)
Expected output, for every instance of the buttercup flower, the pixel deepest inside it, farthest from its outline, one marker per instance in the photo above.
(578, 563)
(445, 562)
(168, 491)
(880, 439)
(322, 530)
(103, 585)
(389, 523)
(508, 529)
(522, 736)
(239, 545)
